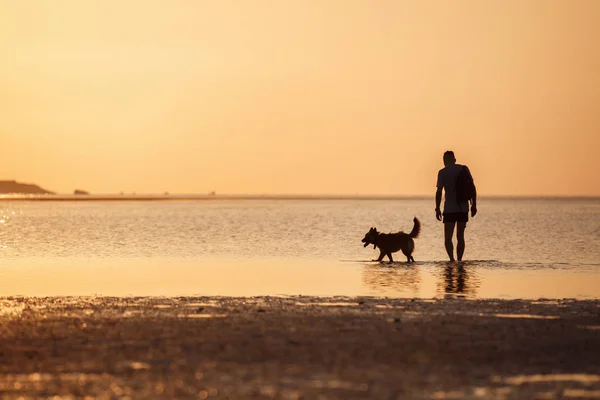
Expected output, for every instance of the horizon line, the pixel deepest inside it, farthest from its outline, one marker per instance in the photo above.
(233, 196)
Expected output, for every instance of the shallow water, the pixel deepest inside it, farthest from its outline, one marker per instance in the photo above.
(518, 249)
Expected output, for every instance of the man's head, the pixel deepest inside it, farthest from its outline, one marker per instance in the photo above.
(449, 158)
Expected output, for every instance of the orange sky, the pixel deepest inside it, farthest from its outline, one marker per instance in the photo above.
(300, 96)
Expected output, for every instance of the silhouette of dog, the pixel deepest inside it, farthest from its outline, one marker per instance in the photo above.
(389, 243)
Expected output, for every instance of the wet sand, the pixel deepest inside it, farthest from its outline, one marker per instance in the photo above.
(298, 347)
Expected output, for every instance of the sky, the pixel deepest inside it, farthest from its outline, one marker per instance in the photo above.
(300, 96)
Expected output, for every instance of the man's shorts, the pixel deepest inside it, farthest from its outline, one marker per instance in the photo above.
(456, 217)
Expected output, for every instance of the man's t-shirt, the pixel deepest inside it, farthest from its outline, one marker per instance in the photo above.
(447, 180)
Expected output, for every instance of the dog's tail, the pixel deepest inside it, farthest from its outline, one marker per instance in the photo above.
(416, 229)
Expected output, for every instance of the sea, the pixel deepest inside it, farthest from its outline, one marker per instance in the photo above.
(523, 248)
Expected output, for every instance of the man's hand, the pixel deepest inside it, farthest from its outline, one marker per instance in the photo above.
(438, 214)
(473, 210)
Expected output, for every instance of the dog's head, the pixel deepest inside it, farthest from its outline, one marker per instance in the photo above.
(371, 237)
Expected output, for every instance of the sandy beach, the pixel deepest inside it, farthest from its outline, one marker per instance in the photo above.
(298, 347)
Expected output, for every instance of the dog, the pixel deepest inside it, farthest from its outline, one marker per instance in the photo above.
(389, 243)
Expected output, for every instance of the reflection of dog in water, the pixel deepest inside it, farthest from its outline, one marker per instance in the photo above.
(389, 243)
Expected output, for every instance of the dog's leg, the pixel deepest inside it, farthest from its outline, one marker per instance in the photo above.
(390, 257)
(381, 255)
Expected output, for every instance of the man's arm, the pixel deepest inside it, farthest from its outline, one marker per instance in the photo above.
(474, 201)
(474, 198)
(438, 202)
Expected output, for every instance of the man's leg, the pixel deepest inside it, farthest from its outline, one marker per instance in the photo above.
(448, 232)
(460, 236)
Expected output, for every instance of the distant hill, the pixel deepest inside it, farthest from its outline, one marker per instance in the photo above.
(14, 187)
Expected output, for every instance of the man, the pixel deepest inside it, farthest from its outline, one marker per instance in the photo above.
(456, 212)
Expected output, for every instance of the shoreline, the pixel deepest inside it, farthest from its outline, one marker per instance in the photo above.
(298, 347)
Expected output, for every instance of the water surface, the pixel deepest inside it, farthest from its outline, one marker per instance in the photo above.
(516, 249)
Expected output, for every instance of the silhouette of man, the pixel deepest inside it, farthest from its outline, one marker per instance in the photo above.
(455, 213)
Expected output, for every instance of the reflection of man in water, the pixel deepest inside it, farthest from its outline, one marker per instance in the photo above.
(455, 213)
(456, 279)
(455, 285)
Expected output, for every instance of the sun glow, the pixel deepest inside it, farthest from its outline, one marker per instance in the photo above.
(337, 97)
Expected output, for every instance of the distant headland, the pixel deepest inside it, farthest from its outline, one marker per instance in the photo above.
(14, 187)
